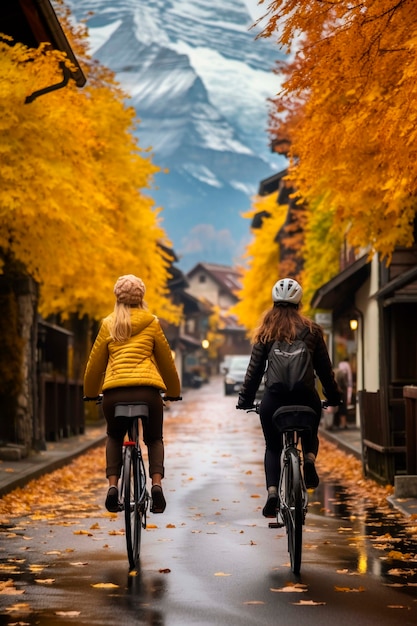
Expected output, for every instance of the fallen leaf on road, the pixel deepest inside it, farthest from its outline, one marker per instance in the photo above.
(7, 588)
(68, 613)
(166, 570)
(297, 588)
(254, 602)
(350, 589)
(400, 572)
(170, 526)
(221, 574)
(20, 607)
(399, 556)
(82, 532)
(105, 586)
(45, 581)
(308, 603)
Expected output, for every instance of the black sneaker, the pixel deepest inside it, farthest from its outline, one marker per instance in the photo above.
(158, 503)
(112, 500)
(311, 478)
(270, 508)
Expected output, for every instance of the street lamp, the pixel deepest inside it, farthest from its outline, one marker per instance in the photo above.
(353, 323)
(205, 344)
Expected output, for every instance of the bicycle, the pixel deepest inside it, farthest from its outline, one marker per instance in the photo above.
(133, 495)
(134, 498)
(291, 421)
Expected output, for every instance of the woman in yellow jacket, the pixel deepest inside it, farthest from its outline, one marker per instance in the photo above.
(131, 361)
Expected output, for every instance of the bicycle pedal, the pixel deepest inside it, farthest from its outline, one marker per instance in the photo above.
(276, 525)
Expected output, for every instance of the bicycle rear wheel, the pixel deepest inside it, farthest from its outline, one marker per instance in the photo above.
(131, 505)
(294, 510)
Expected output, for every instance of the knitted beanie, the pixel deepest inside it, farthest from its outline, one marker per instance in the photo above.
(129, 289)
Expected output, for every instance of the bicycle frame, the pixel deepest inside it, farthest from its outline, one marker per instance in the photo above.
(291, 440)
(133, 494)
(291, 421)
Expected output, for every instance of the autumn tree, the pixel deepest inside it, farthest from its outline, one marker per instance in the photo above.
(262, 262)
(73, 211)
(348, 111)
(214, 334)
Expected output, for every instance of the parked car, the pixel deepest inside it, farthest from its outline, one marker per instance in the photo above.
(225, 364)
(235, 371)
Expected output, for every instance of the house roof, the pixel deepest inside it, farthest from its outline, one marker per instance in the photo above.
(225, 276)
(270, 185)
(33, 22)
(338, 293)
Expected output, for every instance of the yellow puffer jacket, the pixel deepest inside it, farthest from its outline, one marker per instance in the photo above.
(145, 359)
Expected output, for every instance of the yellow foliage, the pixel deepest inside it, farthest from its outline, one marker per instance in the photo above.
(350, 109)
(71, 174)
(262, 255)
(323, 241)
(214, 337)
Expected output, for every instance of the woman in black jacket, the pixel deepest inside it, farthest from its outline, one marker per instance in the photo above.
(284, 322)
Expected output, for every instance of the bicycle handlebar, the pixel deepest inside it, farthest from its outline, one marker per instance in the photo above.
(98, 399)
(255, 408)
(249, 409)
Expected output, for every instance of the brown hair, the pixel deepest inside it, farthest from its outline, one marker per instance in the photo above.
(282, 323)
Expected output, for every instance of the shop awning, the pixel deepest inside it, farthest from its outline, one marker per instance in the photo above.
(339, 292)
(399, 288)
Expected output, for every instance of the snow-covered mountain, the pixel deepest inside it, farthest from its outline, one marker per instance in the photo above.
(199, 81)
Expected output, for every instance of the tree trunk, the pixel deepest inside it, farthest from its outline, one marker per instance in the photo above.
(19, 413)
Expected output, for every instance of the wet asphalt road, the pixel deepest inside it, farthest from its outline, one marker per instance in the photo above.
(211, 558)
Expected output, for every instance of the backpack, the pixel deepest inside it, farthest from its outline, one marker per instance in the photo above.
(290, 367)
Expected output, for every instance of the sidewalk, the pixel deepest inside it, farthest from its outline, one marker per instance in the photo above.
(349, 441)
(15, 474)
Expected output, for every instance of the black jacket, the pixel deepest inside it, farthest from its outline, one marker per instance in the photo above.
(321, 363)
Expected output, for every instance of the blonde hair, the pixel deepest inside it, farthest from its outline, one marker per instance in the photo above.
(282, 323)
(129, 291)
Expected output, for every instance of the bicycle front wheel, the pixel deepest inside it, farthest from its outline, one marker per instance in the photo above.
(131, 507)
(294, 510)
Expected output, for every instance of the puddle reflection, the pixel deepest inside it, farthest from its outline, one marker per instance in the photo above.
(382, 545)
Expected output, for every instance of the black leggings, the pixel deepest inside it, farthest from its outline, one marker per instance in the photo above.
(117, 427)
(273, 440)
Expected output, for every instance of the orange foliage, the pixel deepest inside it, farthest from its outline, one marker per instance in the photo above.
(350, 110)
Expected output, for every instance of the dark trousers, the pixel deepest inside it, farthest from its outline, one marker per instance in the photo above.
(273, 439)
(117, 427)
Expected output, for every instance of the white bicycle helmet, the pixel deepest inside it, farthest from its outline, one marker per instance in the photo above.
(287, 290)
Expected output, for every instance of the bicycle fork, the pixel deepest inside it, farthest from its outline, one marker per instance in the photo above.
(286, 508)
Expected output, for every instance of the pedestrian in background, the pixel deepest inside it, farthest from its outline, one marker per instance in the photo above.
(284, 322)
(340, 415)
(131, 361)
